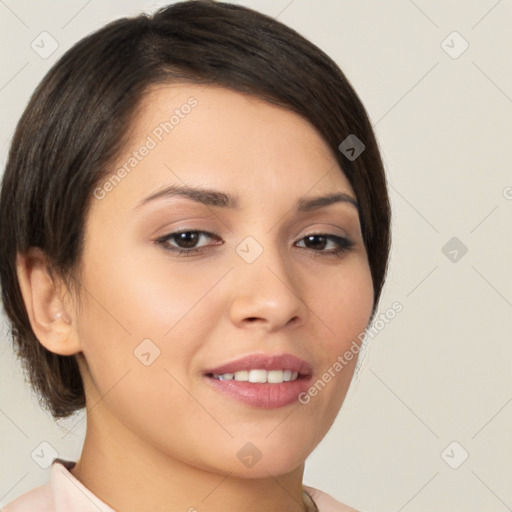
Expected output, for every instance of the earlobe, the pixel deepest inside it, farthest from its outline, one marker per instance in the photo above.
(51, 323)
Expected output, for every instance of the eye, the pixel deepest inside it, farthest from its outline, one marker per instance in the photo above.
(186, 241)
(318, 242)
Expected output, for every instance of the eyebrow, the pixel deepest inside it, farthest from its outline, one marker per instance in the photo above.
(210, 197)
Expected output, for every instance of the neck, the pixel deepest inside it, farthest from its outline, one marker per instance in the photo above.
(130, 475)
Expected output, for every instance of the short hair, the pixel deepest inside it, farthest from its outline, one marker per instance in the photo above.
(78, 119)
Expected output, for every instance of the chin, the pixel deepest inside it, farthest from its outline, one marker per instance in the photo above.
(261, 457)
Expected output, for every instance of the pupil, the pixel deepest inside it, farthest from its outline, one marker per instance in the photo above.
(188, 239)
(316, 237)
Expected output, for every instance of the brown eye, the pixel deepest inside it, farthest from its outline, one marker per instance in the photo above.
(186, 242)
(316, 242)
(319, 242)
(188, 239)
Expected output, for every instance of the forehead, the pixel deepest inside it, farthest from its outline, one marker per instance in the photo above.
(205, 135)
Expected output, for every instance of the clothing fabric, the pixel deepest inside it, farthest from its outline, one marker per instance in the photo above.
(65, 493)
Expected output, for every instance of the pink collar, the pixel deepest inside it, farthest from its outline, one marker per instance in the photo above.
(70, 494)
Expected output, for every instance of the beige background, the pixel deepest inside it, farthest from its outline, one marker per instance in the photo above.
(440, 371)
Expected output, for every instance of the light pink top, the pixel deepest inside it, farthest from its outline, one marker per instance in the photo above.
(65, 493)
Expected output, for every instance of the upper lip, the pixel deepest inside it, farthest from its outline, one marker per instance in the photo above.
(264, 362)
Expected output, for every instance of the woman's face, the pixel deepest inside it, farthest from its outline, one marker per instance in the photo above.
(258, 281)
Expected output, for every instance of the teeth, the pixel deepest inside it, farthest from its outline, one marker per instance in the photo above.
(225, 376)
(275, 376)
(257, 376)
(242, 375)
(260, 376)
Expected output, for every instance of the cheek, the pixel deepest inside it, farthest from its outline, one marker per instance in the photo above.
(142, 296)
(343, 305)
(343, 301)
(137, 311)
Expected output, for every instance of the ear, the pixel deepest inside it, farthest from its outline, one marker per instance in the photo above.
(53, 326)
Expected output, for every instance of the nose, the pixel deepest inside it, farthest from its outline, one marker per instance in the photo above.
(267, 292)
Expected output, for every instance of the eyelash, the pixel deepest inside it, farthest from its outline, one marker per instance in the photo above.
(344, 244)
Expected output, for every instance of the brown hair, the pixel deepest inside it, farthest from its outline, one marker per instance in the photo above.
(77, 119)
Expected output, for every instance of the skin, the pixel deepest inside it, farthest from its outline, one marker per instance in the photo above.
(158, 438)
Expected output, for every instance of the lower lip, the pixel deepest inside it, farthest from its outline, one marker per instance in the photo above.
(262, 395)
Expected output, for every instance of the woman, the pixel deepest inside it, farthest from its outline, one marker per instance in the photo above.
(195, 225)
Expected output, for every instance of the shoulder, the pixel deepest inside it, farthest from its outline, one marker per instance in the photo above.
(39, 499)
(326, 503)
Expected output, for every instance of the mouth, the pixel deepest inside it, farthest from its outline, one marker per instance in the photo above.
(262, 381)
(259, 376)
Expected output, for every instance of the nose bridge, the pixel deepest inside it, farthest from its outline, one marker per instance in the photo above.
(265, 287)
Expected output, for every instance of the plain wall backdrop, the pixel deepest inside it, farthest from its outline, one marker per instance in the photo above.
(426, 424)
